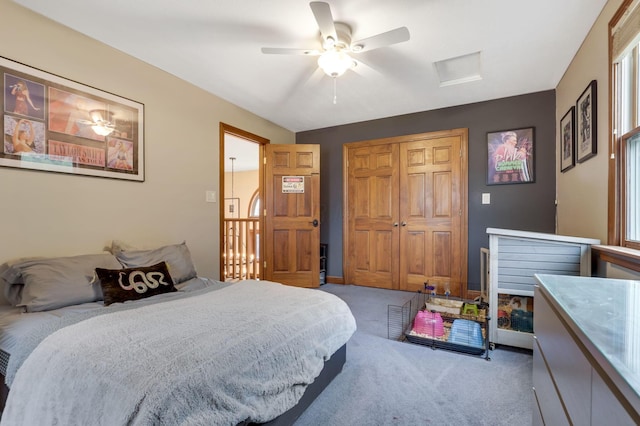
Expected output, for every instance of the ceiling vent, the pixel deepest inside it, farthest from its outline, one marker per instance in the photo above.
(458, 70)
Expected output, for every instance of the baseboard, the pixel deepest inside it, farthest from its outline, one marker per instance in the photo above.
(472, 294)
(335, 280)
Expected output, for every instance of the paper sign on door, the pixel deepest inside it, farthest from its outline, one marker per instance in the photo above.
(293, 184)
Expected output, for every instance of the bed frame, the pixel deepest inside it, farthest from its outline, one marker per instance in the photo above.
(4, 393)
(331, 369)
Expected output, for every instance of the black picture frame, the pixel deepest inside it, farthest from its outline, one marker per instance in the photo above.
(55, 124)
(568, 140)
(586, 123)
(511, 156)
(232, 208)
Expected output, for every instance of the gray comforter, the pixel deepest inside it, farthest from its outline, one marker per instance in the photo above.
(244, 352)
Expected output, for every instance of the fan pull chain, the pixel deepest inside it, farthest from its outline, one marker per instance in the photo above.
(335, 92)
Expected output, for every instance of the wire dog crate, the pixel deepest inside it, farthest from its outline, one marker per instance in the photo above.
(441, 323)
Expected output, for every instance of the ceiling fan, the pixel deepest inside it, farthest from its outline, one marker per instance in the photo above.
(101, 121)
(334, 56)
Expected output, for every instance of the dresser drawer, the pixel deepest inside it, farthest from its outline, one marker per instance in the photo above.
(548, 400)
(537, 413)
(568, 367)
(606, 408)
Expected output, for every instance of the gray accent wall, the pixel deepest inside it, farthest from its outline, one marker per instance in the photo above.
(527, 207)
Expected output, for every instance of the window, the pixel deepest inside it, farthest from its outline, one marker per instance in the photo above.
(254, 204)
(624, 184)
(630, 187)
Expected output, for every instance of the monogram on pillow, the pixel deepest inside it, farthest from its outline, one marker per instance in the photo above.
(120, 285)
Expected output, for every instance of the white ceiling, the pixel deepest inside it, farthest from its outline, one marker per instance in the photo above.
(525, 46)
(246, 154)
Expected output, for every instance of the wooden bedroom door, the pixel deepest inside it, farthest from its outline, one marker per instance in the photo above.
(406, 217)
(292, 214)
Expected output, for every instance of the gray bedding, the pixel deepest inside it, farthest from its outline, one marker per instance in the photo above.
(214, 356)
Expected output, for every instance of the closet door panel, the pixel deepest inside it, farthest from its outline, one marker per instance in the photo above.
(429, 210)
(372, 216)
(416, 249)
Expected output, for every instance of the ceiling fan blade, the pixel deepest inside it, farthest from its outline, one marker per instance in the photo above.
(288, 51)
(398, 35)
(322, 13)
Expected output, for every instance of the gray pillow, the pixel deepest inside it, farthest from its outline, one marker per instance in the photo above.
(4, 285)
(10, 270)
(11, 293)
(177, 256)
(52, 283)
(11, 279)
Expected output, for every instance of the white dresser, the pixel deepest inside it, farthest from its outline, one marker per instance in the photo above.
(586, 355)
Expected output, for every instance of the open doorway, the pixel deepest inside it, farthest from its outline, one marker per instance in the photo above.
(241, 182)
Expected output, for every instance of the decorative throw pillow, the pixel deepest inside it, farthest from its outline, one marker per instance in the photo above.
(177, 256)
(120, 285)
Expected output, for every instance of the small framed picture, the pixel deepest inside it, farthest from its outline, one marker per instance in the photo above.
(586, 131)
(567, 140)
(232, 208)
(510, 156)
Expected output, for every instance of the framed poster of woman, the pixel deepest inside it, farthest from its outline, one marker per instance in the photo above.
(510, 156)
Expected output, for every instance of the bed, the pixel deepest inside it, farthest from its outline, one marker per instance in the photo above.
(137, 337)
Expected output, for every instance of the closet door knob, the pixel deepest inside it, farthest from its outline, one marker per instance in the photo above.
(395, 224)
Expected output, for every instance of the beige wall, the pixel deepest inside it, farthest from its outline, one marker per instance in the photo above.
(582, 190)
(245, 184)
(55, 214)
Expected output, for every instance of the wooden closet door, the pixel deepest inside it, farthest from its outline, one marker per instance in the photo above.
(430, 214)
(406, 214)
(372, 216)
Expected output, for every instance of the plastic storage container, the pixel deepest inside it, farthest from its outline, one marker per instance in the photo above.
(466, 332)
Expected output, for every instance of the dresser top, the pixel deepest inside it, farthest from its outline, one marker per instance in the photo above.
(605, 313)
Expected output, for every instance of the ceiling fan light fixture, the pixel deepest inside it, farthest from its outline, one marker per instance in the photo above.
(103, 129)
(334, 63)
(101, 125)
